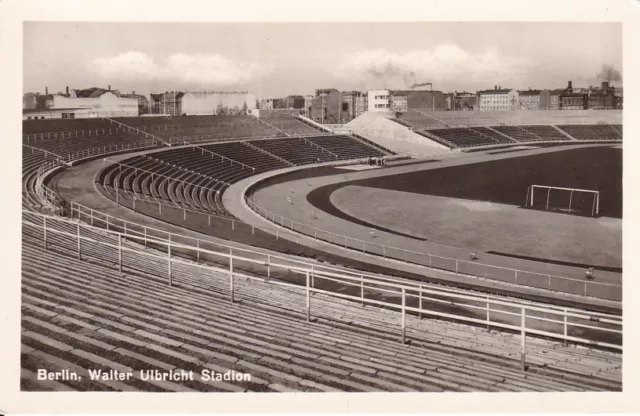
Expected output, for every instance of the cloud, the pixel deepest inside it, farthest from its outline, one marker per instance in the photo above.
(446, 63)
(200, 70)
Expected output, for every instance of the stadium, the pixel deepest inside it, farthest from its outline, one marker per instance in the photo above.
(427, 251)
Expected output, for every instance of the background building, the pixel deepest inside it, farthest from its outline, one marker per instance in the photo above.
(399, 101)
(143, 102)
(361, 103)
(461, 101)
(326, 106)
(378, 101)
(177, 103)
(205, 103)
(294, 101)
(498, 99)
(529, 99)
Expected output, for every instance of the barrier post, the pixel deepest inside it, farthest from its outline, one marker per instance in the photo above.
(268, 267)
(91, 214)
(523, 334)
(565, 328)
(169, 263)
(198, 250)
(79, 246)
(231, 273)
(120, 252)
(488, 316)
(107, 222)
(44, 227)
(420, 301)
(456, 266)
(404, 316)
(308, 299)
(361, 290)
(313, 274)
(145, 237)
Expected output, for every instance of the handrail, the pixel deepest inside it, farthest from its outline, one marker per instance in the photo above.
(403, 291)
(42, 150)
(96, 215)
(136, 129)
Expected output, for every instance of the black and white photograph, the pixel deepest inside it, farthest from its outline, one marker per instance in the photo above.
(233, 206)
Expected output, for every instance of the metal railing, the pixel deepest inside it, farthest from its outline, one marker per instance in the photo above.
(95, 218)
(459, 267)
(104, 150)
(154, 137)
(410, 301)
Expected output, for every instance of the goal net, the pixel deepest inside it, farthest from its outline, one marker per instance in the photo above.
(569, 200)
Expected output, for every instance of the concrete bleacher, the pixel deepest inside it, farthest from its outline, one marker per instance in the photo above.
(297, 150)
(194, 177)
(346, 147)
(32, 159)
(593, 132)
(427, 119)
(81, 315)
(292, 126)
(465, 137)
(189, 177)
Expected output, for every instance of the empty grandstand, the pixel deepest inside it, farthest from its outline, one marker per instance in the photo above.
(66, 321)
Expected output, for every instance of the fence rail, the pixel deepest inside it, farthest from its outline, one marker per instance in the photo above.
(411, 302)
(95, 217)
(582, 287)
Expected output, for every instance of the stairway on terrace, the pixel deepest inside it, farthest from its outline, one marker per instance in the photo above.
(78, 315)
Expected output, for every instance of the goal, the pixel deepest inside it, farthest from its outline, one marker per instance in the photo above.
(569, 200)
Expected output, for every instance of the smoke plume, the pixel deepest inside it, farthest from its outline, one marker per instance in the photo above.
(444, 63)
(609, 73)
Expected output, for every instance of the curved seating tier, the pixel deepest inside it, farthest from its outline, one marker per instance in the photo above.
(195, 177)
(190, 177)
(32, 159)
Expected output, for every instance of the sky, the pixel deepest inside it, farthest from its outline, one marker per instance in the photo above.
(279, 59)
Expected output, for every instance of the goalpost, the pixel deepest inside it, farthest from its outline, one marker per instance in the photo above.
(570, 200)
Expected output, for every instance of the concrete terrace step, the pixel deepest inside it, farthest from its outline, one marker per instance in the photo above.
(168, 326)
